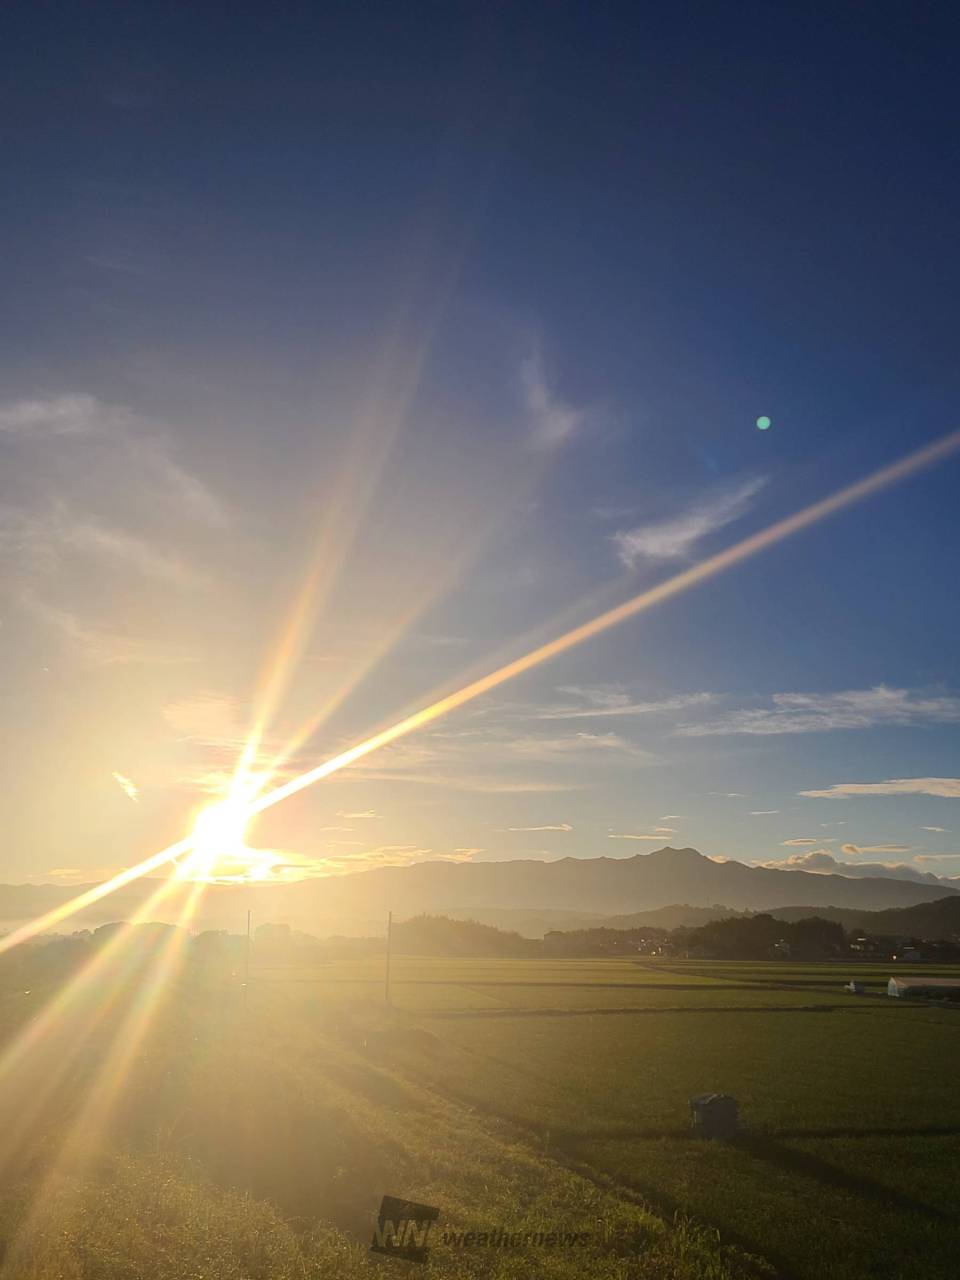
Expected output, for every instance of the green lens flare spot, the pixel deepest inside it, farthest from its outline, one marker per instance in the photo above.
(763, 422)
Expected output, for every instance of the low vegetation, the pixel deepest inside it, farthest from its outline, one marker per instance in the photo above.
(196, 1128)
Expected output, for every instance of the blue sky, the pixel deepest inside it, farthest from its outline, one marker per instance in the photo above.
(465, 317)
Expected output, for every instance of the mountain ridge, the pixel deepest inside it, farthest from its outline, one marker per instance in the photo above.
(601, 886)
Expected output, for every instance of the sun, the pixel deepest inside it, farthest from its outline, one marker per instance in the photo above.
(219, 848)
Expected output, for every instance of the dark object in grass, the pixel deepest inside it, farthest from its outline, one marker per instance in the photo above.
(714, 1115)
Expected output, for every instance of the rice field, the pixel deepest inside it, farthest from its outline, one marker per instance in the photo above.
(850, 1115)
(252, 1137)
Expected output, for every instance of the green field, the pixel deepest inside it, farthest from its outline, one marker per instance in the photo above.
(195, 1134)
(851, 1118)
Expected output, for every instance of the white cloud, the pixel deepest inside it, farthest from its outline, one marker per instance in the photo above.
(677, 537)
(67, 415)
(128, 787)
(557, 826)
(763, 813)
(604, 700)
(800, 840)
(553, 421)
(824, 712)
(626, 835)
(672, 817)
(571, 747)
(946, 787)
(940, 829)
(822, 861)
(876, 848)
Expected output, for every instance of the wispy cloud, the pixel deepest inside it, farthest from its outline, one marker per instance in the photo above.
(875, 848)
(553, 420)
(946, 787)
(762, 813)
(128, 787)
(103, 645)
(91, 488)
(678, 536)
(66, 415)
(824, 712)
(630, 835)
(555, 826)
(494, 759)
(208, 718)
(128, 549)
(386, 855)
(124, 438)
(940, 829)
(799, 840)
(609, 700)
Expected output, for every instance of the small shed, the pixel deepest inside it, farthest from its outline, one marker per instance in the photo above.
(714, 1115)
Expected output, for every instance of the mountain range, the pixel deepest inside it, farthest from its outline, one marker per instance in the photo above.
(566, 893)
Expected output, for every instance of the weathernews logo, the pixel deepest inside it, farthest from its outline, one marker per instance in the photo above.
(404, 1229)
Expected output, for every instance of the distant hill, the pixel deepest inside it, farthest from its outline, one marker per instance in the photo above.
(676, 916)
(526, 921)
(439, 936)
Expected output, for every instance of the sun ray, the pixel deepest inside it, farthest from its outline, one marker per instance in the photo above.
(104, 1091)
(60, 1032)
(674, 586)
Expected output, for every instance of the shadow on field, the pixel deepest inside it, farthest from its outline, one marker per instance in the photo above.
(581, 1013)
(565, 1149)
(889, 1131)
(772, 1152)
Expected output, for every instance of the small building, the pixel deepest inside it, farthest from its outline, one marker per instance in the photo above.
(925, 988)
(714, 1115)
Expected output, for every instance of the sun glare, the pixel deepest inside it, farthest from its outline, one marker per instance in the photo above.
(218, 844)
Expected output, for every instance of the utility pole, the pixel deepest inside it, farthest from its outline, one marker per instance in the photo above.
(246, 966)
(386, 985)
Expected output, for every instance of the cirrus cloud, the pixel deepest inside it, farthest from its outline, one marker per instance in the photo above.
(946, 787)
(677, 537)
